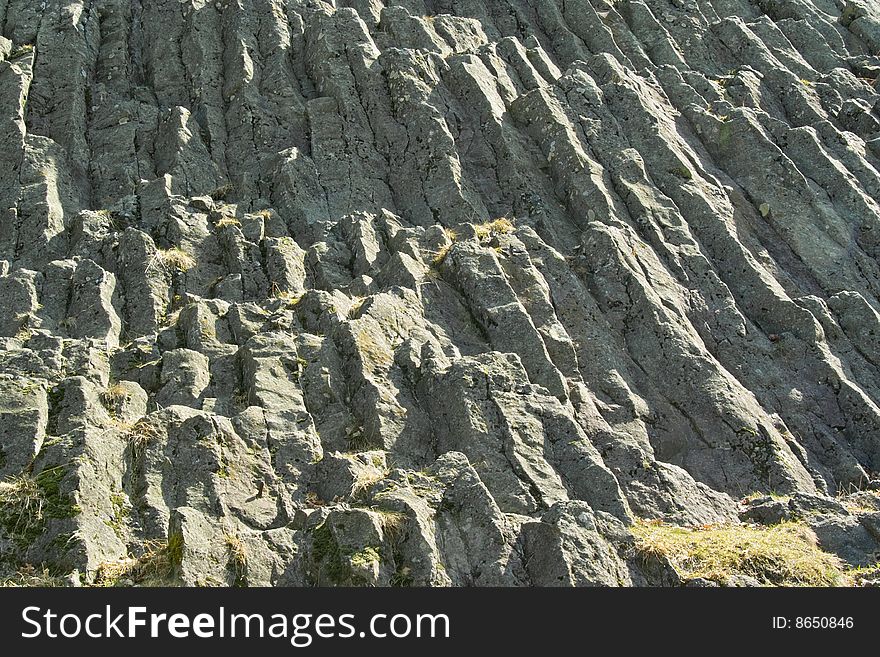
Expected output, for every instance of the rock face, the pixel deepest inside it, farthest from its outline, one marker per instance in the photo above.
(435, 292)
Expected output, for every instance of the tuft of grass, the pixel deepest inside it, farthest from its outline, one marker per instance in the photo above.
(866, 576)
(356, 304)
(237, 558)
(28, 501)
(500, 226)
(155, 567)
(443, 251)
(782, 555)
(440, 254)
(175, 259)
(358, 441)
(142, 434)
(24, 49)
(21, 505)
(115, 395)
(393, 524)
(758, 495)
(29, 577)
(313, 501)
(860, 502)
(288, 297)
(228, 221)
(365, 479)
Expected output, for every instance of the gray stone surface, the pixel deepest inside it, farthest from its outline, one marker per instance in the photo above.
(437, 293)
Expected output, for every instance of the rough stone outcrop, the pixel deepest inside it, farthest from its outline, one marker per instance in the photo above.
(435, 292)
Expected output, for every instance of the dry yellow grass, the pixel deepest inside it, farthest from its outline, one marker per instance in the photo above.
(289, 297)
(356, 304)
(237, 558)
(868, 576)
(21, 504)
(440, 254)
(365, 479)
(154, 568)
(860, 501)
(782, 555)
(175, 258)
(115, 395)
(142, 434)
(483, 232)
(29, 577)
(393, 525)
(500, 226)
(228, 221)
(443, 251)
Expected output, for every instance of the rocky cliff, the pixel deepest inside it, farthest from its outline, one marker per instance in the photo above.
(445, 292)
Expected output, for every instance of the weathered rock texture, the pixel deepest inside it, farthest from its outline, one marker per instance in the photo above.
(435, 292)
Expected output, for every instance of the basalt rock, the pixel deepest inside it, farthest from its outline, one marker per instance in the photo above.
(317, 292)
